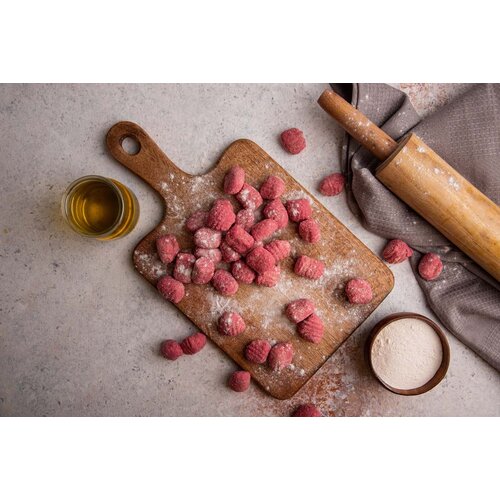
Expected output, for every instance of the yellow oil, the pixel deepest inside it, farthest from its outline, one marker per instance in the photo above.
(100, 208)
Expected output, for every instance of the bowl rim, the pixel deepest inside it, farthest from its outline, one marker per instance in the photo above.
(119, 196)
(441, 371)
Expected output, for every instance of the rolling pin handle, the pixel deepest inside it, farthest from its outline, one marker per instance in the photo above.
(462, 213)
(357, 125)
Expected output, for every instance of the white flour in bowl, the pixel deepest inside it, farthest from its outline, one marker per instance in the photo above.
(406, 353)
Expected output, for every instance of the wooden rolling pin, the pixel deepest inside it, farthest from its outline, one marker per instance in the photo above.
(423, 180)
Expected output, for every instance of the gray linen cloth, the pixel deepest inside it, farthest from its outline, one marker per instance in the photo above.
(466, 133)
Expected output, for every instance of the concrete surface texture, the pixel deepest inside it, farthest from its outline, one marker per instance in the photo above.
(80, 329)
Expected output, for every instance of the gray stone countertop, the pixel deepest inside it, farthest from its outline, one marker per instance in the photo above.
(80, 329)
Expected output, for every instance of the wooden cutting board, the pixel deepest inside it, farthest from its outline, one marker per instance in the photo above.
(345, 257)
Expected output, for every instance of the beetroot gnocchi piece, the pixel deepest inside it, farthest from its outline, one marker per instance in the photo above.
(264, 229)
(228, 254)
(231, 324)
(207, 238)
(194, 343)
(249, 197)
(311, 329)
(171, 349)
(214, 254)
(184, 267)
(293, 140)
(203, 271)
(332, 185)
(358, 291)
(224, 282)
(239, 240)
(245, 218)
(273, 187)
(309, 268)
(430, 266)
(309, 231)
(196, 221)
(276, 211)
(167, 248)
(279, 249)
(307, 410)
(299, 210)
(221, 216)
(260, 260)
(171, 289)
(242, 272)
(269, 278)
(280, 356)
(396, 251)
(257, 351)
(299, 310)
(234, 180)
(239, 381)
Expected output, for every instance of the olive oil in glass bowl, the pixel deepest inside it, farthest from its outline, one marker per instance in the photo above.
(101, 208)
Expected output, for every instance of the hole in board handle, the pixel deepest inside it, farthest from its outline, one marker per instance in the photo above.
(130, 145)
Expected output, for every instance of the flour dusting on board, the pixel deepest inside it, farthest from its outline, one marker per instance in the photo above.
(296, 195)
(202, 190)
(150, 264)
(219, 304)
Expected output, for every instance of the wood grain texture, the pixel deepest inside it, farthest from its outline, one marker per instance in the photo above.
(448, 201)
(357, 125)
(262, 308)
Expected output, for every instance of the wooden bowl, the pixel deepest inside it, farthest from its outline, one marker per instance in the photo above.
(441, 371)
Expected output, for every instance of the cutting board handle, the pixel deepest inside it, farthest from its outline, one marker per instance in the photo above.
(358, 125)
(150, 163)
